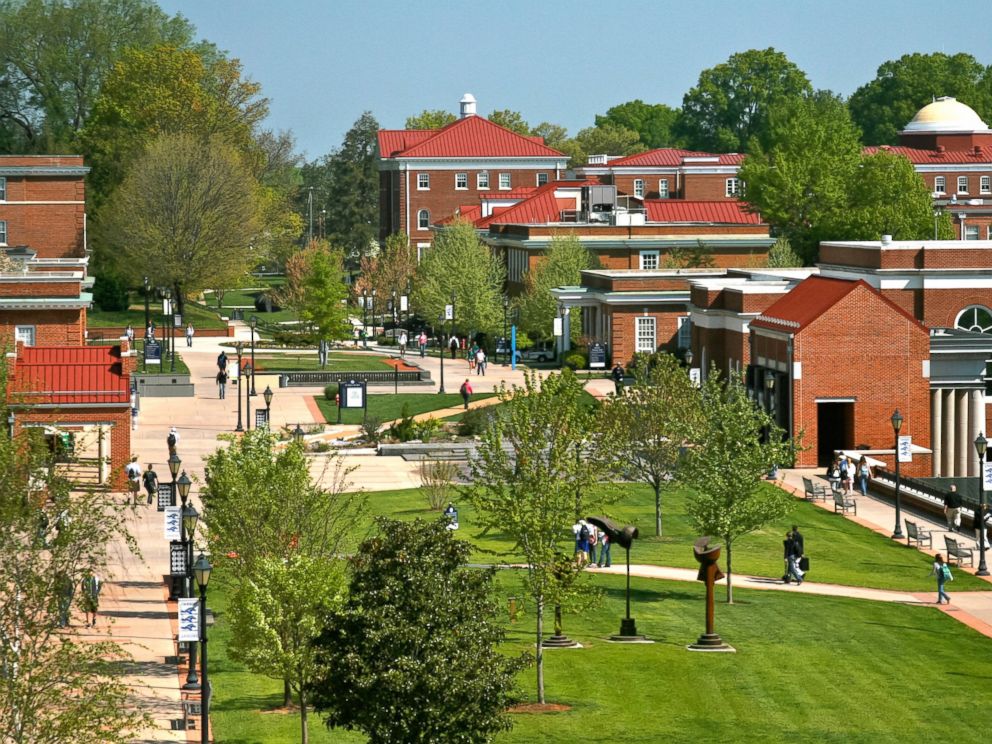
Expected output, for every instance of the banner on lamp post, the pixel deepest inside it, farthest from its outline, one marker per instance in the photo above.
(189, 619)
(449, 312)
(987, 480)
(173, 521)
(559, 327)
(904, 450)
(404, 304)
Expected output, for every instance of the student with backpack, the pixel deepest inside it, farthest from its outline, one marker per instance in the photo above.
(466, 391)
(943, 573)
(172, 440)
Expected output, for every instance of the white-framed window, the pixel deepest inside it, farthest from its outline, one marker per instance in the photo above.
(971, 232)
(649, 260)
(976, 318)
(461, 181)
(423, 182)
(733, 186)
(424, 219)
(645, 335)
(504, 182)
(639, 188)
(962, 184)
(542, 179)
(482, 180)
(3, 232)
(3, 188)
(663, 188)
(24, 334)
(939, 185)
(985, 184)
(421, 250)
(685, 332)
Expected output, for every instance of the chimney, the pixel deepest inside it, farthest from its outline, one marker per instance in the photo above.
(886, 240)
(467, 105)
(941, 148)
(977, 150)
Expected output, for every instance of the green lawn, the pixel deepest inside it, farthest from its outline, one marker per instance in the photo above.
(807, 669)
(388, 407)
(136, 317)
(841, 552)
(245, 300)
(337, 362)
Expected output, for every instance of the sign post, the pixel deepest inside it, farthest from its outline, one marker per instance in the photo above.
(597, 356)
(353, 394)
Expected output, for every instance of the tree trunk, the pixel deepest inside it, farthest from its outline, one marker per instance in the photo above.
(730, 576)
(540, 651)
(657, 508)
(177, 293)
(287, 694)
(304, 734)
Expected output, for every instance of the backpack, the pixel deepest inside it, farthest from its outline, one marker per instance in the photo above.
(171, 440)
(945, 571)
(584, 533)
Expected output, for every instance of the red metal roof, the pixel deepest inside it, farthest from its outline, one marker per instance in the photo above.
(69, 375)
(936, 157)
(471, 137)
(540, 208)
(521, 192)
(725, 212)
(671, 156)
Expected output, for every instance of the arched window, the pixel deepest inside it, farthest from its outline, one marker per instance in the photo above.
(977, 318)
(423, 219)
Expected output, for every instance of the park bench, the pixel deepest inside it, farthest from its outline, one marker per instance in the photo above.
(958, 552)
(844, 503)
(918, 536)
(813, 491)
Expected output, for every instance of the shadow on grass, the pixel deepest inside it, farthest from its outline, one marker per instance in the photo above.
(253, 703)
(933, 631)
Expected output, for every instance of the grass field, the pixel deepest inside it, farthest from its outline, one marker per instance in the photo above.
(388, 407)
(336, 362)
(135, 315)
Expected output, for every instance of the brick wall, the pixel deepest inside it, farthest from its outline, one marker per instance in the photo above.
(693, 186)
(623, 330)
(52, 327)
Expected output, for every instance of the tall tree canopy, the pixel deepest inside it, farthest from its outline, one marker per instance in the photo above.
(430, 119)
(653, 122)
(55, 56)
(729, 104)
(512, 120)
(884, 106)
(610, 139)
(561, 266)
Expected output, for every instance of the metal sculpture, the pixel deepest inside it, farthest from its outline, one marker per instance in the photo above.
(624, 537)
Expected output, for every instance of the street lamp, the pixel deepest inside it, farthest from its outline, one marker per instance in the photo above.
(394, 313)
(688, 358)
(170, 329)
(981, 444)
(365, 320)
(201, 570)
(249, 371)
(440, 321)
(372, 313)
(239, 347)
(267, 397)
(174, 465)
(896, 426)
(253, 323)
(563, 311)
(298, 434)
(189, 520)
(147, 316)
(506, 341)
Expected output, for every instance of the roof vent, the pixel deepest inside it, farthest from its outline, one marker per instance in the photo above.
(467, 105)
(941, 148)
(977, 150)
(886, 240)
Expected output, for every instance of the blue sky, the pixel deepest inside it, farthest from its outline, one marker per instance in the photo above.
(323, 62)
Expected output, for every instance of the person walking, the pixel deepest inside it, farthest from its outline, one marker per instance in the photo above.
(480, 362)
(466, 391)
(845, 475)
(453, 345)
(604, 551)
(617, 375)
(593, 539)
(833, 475)
(91, 586)
(403, 341)
(133, 472)
(150, 479)
(189, 335)
(471, 356)
(792, 556)
(222, 383)
(943, 573)
(129, 332)
(863, 473)
(222, 360)
(422, 343)
(952, 509)
(172, 440)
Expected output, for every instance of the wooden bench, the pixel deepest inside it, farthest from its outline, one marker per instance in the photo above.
(918, 536)
(813, 491)
(844, 504)
(956, 551)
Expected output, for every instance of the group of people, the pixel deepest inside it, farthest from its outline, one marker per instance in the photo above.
(150, 333)
(843, 473)
(794, 553)
(587, 538)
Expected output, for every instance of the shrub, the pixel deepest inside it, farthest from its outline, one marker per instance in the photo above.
(110, 293)
(436, 480)
(406, 428)
(386, 341)
(475, 421)
(426, 429)
(330, 391)
(575, 360)
(370, 429)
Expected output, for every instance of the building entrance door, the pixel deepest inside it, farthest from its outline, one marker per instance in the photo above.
(834, 429)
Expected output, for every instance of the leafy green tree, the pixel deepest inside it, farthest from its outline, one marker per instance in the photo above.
(697, 256)
(391, 270)
(884, 106)
(353, 194)
(729, 104)
(644, 431)
(430, 119)
(652, 122)
(56, 55)
(413, 656)
(781, 255)
(554, 135)
(185, 216)
(737, 444)
(609, 139)
(325, 295)
(530, 481)
(459, 262)
(512, 120)
(561, 266)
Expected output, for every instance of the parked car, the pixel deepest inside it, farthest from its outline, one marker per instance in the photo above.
(540, 352)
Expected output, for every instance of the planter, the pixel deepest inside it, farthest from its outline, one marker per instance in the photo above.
(164, 386)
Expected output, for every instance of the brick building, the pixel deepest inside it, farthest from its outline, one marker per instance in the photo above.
(668, 173)
(425, 176)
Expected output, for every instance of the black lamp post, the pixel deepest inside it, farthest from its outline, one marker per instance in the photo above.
(365, 318)
(249, 371)
(254, 324)
(769, 402)
(981, 444)
(267, 397)
(394, 313)
(563, 311)
(190, 518)
(239, 347)
(174, 466)
(896, 426)
(506, 341)
(688, 358)
(147, 315)
(372, 312)
(201, 570)
(298, 434)
(440, 322)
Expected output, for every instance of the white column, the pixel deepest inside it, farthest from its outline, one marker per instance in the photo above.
(976, 425)
(950, 433)
(101, 454)
(936, 430)
(962, 441)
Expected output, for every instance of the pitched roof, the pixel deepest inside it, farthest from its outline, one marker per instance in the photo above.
(470, 137)
(671, 156)
(937, 157)
(540, 207)
(724, 211)
(521, 192)
(46, 375)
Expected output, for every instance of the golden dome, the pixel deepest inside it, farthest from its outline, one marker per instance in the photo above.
(945, 115)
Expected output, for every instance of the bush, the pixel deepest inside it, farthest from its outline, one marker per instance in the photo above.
(427, 428)
(406, 428)
(386, 341)
(475, 421)
(110, 293)
(437, 478)
(330, 391)
(370, 429)
(575, 360)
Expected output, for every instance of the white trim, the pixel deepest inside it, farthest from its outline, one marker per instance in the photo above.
(667, 193)
(645, 254)
(423, 176)
(509, 182)
(419, 221)
(653, 323)
(537, 179)
(471, 164)
(40, 203)
(31, 329)
(638, 186)
(478, 183)
(720, 320)
(465, 176)
(952, 167)
(835, 400)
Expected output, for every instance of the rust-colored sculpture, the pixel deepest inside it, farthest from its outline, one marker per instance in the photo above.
(624, 537)
(707, 555)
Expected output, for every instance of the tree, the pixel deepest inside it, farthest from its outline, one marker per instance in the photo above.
(413, 656)
(737, 444)
(644, 431)
(185, 216)
(56, 55)
(56, 686)
(430, 119)
(459, 262)
(530, 479)
(696, 256)
(729, 104)
(884, 106)
(391, 270)
(609, 139)
(561, 266)
(512, 120)
(781, 255)
(652, 122)
(325, 295)
(554, 135)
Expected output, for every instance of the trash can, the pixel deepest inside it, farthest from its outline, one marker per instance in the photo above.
(283, 381)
